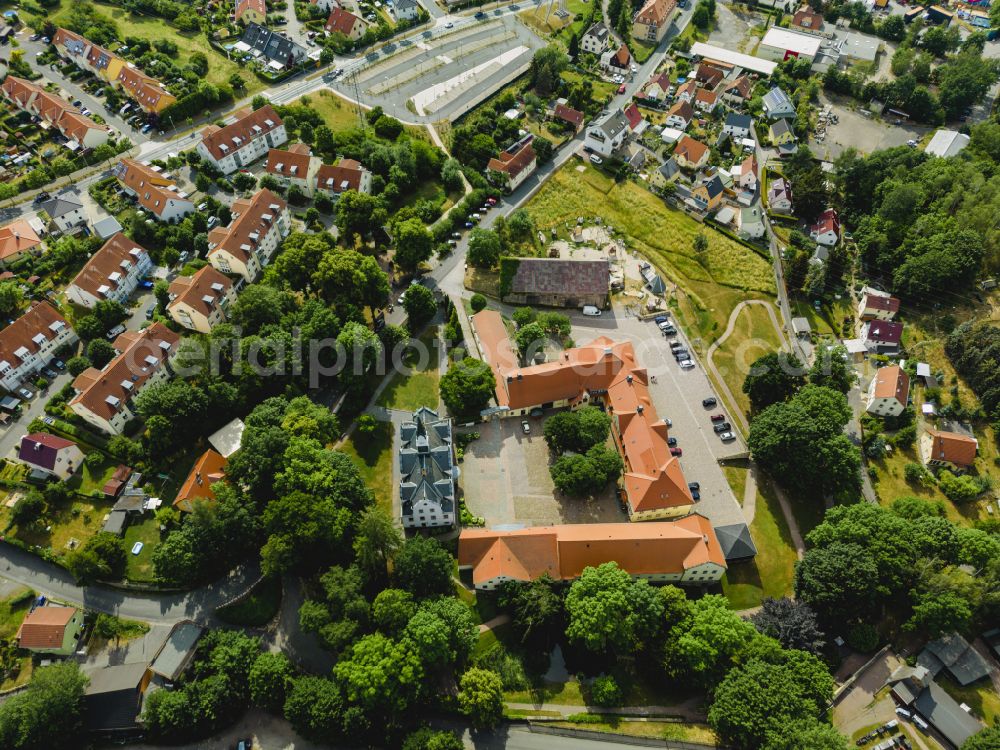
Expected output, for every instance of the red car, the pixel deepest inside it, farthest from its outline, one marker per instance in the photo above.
(676, 452)
(621, 89)
(718, 417)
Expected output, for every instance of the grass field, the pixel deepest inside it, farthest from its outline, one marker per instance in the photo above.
(140, 567)
(373, 456)
(336, 112)
(709, 286)
(770, 572)
(663, 730)
(13, 610)
(737, 478)
(980, 696)
(753, 336)
(409, 392)
(152, 28)
(77, 520)
(90, 478)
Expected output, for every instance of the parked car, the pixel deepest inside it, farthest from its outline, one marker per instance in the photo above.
(661, 319)
(695, 495)
(150, 311)
(59, 364)
(669, 331)
(114, 332)
(25, 393)
(595, 159)
(49, 373)
(681, 353)
(621, 89)
(727, 437)
(676, 451)
(675, 345)
(708, 403)
(722, 427)
(525, 427)
(671, 441)
(687, 364)
(718, 417)
(693, 486)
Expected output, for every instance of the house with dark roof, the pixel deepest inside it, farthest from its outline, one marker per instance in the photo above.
(427, 471)
(954, 655)
(708, 194)
(667, 172)
(595, 40)
(914, 688)
(777, 105)
(112, 700)
(559, 282)
(51, 629)
(882, 336)
(940, 449)
(737, 92)
(50, 455)
(609, 134)
(65, 212)
(177, 651)
(737, 125)
(679, 115)
(406, 10)
(280, 52)
(736, 542)
(781, 133)
(708, 75)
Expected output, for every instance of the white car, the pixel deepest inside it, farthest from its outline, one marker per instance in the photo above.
(687, 364)
(595, 159)
(449, 25)
(727, 437)
(635, 68)
(525, 427)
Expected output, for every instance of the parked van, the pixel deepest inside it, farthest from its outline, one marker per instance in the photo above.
(591, 310)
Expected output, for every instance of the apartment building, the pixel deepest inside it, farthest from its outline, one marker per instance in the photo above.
(249, 242)
(59, 114)
(889, 392)
(249, 138)
(347, 174)
(112, 273)
(200, 302)
(295, 166)
(31, 342)
(105, 399)
(653, 20)
(157, 194)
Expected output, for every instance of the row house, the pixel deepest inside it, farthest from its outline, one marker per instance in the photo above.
(31, 342)
(247, 245)
(199, 302)
(105, 398)
(68, 120)
(298, 167)
(347, 174)
(153, 191)
(148, 92)
(112, 273)
(244, 141)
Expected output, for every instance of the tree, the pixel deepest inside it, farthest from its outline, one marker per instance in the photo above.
(271, 676)
(414, 244)
(451, 175)
(358, 213)
(103, 557)
(989, 738)
(10, 298)
(380, 675)
(536, 609)
(530, 340)
(838, 581)
(577, 430)
(420, 306)
(375, 542)
(610, 611)
(939, 612)
(807, 733)
(392, 610)
(478, 302)
(832, 370)
(792, 623)
(484, 248)
(467, 387)
(429, 739)
(76, 365)
(423, 567)
(583, 474)
(481, 697)
(314, 707)
(546, 66)
(773, 377)
(543, 149)
(700, 243)
(363, 350)
(245, 182)
(100, 352)
(704, 638)
(48, 713)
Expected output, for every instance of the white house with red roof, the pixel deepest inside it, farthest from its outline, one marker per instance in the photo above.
(636, 123)
(878, 306)
(50, 454)
(826, 230)
(346, 23)
(244, 141)
(882, 336)
(512, 166)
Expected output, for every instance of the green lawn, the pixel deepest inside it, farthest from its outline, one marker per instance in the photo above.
(710, 286)
(140, 567)
(753, 336)
(409, 392)
(258, 608)
(93, 478)
(737, 478)
(77, 520)
(12, 611)
(662, 730)
(980, 696)
(373, 456)
(339, 114)
(770, 573)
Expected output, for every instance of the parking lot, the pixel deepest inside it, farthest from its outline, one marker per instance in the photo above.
(866, 134)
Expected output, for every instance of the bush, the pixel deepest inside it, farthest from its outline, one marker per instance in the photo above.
(863, 637)
(905, 437)
(604, 691)
(960, 489)
(478, 302)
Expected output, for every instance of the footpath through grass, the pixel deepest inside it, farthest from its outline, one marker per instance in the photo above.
(711, 283)
(753, 336)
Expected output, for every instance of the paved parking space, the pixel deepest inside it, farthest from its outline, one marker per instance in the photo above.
(854, 130)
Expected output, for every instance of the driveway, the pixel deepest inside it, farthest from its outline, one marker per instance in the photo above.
(11, 436)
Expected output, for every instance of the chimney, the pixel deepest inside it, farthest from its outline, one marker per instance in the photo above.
(628, 379)
(638, 409)
(520, 377)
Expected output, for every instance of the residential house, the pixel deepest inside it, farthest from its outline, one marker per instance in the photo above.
(251, 11)
(826, 230)
(652, 21)
(737, 126)
(347, 174)
(406, 10)
(708, 76)
(147, 92)
(112, 700)
(572, 117)
(346, 23)
(608, 134)
(691, 154)
(954, 655)
(687, 90)
(249, 242)
(18, 240)
(31, 342)
(745, 174)
(105, 398)
(68, 120)
(680, 115)
(777, 105)
(751, 223)
(595, 40)
(779, 196)
(296, 166)
(914, 689)
(325, 5)
(199, 302)
(112, 273)
(176, 653)
(682, 551)
(878, 307)
(559, 282)
(243, 141)
(882, 336)
(941, 449)
(705, 100)
(512, 167)
(427, 471)
(668, 172)
(658, 87)
(605, 373)
(207, 471)
(808, 21)
(781, 133)
(889, 392)
(157, 194)
(50, 455)
(737, 92)
(619, 59)
(51, 629)
(65, 212)
(708, 195)
(636, 123)
(280, 52)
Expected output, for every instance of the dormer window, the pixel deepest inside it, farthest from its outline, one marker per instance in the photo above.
(151, 360)
(269, 123)
(112, 401)
(57, 326)
(127, 385)
(279, 166)
(217, 287)
(275, 207)
(39, 339)
(165, 345)
(114, 277)
(103, 290)
(208, 299)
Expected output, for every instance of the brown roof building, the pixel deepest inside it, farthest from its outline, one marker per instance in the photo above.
(653, 20)
(30, 343)
(347, 174)
(951, 450)
(69, 121)
(112, 273)
(346, 23)
(808, 20)
(558, 282)
(512, 167)
(691, 153)
(17, 239)
(157, 194)
(569, 115)
(708, 76)
(889, 392)
(250, 241)
(681, 551)
(199, 302)
(244, 141)
(601, 372)
(51, 629)
(207, 470)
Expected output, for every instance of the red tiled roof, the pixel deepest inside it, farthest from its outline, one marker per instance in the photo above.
(200, 292)
(827, 221)
(878, 302)
(40, 319)
(345, 175)
(953, 447)
(207, 470)
(341, 21)
(45, 627)
(249, 124)
(886, 331)
(573, 116)
(655, 12)
(117, 256)
(252, 219)
(892, 382)
(633, 115)
(288, 163)
(242, 6)
(682, 109)
(511, 164)
(151, 188)
(691, 149)
(16, 238)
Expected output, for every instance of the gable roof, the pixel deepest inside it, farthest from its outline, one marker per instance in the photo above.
(207, 470)
(345, 175)
(41, 449)
(737, 120)
(692, 150)
(669, 168)
(293, 163)
(740, 87)
(828, 221)
(613, 124)
(777, 100)
(567, 114)
(655, 12)
(779, 188)
(683, 109)
(202, 292)
(341, 21)
(108, 267)
(599, 31)
(560, 276)
(708, 75)
(16, 238)
(249, 124)
(780, 127)
(881, 302)
(273, 45)
(621, 58)
(153, 191)
(953, 447)
(27, 334)
(885, 331)
(242, 6)
(513, 161)
(944, 713)
(662, 80)
(807, 18)
(633, 115)
(255, 217)
(45, 627)
(892, 382)
(713, 186)
(68, 119)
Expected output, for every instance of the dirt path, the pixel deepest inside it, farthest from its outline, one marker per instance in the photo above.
(689, 710)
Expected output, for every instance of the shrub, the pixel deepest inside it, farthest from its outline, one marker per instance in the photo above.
(478, 302)
(604, 691)
(863, 637)
(905, 437)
